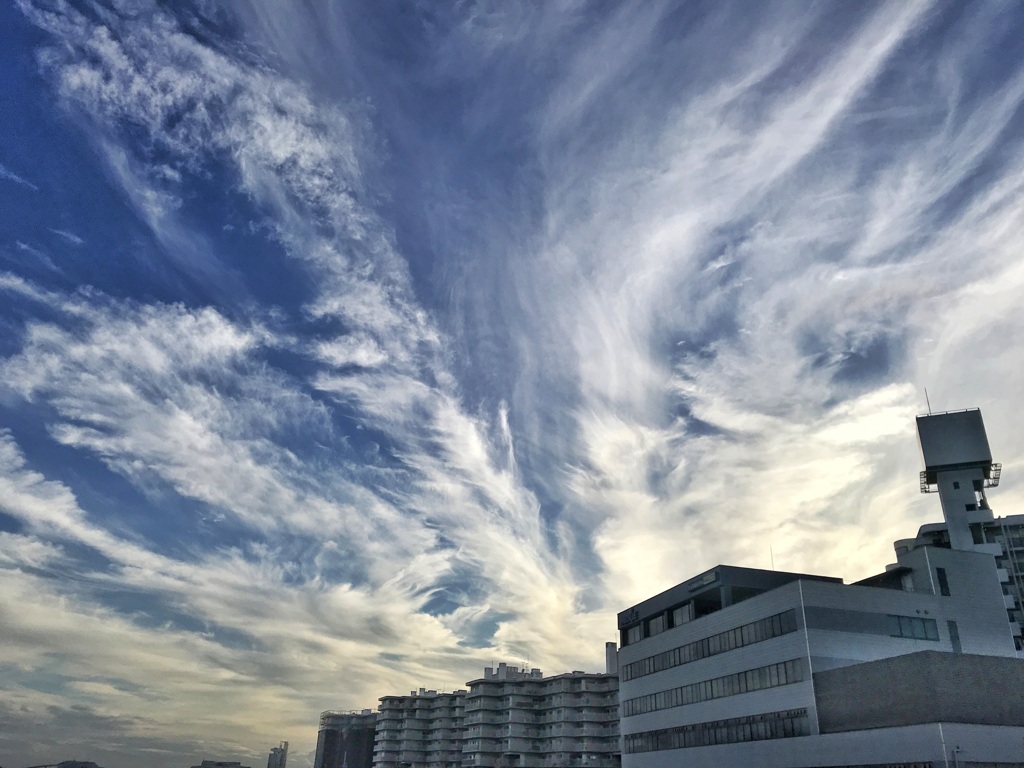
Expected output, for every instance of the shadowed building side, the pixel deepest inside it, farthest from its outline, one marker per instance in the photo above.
(345, 739)
(278, 757)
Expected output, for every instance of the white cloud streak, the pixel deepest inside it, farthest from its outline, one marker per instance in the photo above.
(8, 175)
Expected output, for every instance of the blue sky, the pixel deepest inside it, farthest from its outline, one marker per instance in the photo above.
(347, 347)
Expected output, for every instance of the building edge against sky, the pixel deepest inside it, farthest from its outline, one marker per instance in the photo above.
(959, 467)
(916, 666)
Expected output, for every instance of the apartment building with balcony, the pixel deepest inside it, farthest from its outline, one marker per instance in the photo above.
(421, 730)
(521, 718)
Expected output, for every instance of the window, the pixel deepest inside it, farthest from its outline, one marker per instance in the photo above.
(770, 725)
(682, 615)
(634, 634)
(954, 636)
(755, 632)
(956, 485)
(940, 574)
(656, 625)
(772, 676)
(913, 627)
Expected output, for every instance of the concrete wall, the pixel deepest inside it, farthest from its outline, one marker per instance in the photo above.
(975, 602)
(934, 743)
(922, 688)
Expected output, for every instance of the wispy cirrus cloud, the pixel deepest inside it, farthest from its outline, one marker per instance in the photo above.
(68, 236)
(498, 331)
(8, 175)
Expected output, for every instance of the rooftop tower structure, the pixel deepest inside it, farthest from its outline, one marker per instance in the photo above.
(958, 465)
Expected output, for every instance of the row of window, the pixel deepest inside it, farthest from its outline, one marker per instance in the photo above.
(771, 676)
(771, 725)
(913, 627)
(682, 614)
(755, 632)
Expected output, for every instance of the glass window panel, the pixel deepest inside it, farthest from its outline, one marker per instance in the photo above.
(656, 625)
(921, 629)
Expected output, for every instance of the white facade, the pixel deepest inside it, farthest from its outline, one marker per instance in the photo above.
(509, 717)
(422, 730)
(709, 680)
(959, 467)
(519, 718)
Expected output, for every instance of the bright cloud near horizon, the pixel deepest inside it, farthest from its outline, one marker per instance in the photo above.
(349, 347)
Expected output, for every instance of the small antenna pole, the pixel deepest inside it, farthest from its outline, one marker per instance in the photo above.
(772, 553)
(928, 401)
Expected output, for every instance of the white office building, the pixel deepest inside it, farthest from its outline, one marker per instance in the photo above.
(913, 668)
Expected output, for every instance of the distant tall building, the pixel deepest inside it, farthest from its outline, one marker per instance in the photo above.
(959, 467)
(345, 739)
(278, 756)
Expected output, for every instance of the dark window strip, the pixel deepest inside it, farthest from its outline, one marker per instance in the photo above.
(771, 725)
(761, 678)
(748, 634)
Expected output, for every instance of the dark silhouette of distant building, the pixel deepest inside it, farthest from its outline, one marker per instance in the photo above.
(218, 764)
(345, 740)
(278, 756)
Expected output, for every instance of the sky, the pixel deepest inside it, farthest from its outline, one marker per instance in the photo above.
(349, 347)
